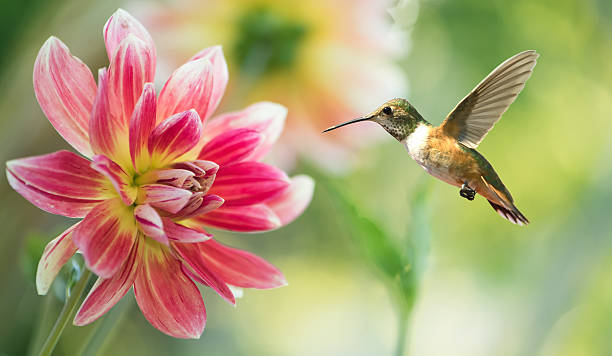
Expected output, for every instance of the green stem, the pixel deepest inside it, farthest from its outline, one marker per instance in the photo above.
(403, 322)
(73, 297)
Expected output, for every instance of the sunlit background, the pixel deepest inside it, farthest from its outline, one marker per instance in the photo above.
(483, 287)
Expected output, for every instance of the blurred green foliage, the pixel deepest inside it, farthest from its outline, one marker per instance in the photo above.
(30, 255)
(15, 18)
(267, 41)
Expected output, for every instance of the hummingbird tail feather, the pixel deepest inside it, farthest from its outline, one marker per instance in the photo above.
(513, 215)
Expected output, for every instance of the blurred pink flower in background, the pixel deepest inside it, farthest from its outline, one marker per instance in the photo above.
(153, 177)
(327, 61)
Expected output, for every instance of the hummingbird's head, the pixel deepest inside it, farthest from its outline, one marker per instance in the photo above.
(396, 116)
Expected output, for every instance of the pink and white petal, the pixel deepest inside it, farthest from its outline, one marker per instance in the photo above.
(240, 268)
(61, 183)
(195, 200)
(206, 204)
(201, 169)
(56, 254)
(169, 300)
(106, 236)
(61, 173)
(65, 90)
(194, 85)
(247, 183)
(294, 200)
(232, 146)
(132, 66)
(190, 254)
(170, 176)
(142, 124)
(249, 218)
(215, 55)
(175, 136)
(106, 133)
(55, 204)
(107, 292)
(264, 117)
(183, 234)
(150, 223)
(119, 26)
(117, 176)
(168, 198)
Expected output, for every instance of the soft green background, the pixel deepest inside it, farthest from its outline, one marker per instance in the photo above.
(490, 288)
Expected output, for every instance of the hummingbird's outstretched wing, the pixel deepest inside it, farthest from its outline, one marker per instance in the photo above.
(476, 114)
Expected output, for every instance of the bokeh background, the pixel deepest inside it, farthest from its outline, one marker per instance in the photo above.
(483, 287)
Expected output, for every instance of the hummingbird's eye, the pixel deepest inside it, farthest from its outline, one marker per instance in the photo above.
(387, 110)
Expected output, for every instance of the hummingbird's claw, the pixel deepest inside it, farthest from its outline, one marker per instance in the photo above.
(467, 192)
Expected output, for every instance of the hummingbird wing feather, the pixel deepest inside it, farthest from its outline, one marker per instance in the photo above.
(478, 112)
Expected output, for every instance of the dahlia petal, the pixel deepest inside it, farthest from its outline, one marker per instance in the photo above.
(142, 124)
(200, 168)
(119, 26)
(55, 204)
(175, 136)
(232, 146)
(150, 223)
(204, 205)
(168, 198)
(61, 183)
(240, 268)
(173, 177)
(105, 237)
(65, 90)
(247, 183)
(117, 176)
(169, 300)
(198, 84)
(292, 203)
(237, 291)
(191, 255)
(105, 131)
(250, 218)
(183, 234)
(132, 66)
(62, 173)
(215, 55)
(264, 117)
(107, 292)
(56, 254)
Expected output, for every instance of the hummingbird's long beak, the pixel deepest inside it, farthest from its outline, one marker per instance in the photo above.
(348, 123)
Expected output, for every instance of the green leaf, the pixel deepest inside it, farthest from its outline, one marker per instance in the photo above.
(419, 231)
(370, 237)
(401, 263)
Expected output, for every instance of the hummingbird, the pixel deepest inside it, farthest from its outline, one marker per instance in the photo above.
(448, 151)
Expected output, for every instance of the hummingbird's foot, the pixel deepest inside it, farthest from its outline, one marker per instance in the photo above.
(467, 192)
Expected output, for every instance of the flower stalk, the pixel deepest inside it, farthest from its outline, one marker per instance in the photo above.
(403, 324)
(74, 295)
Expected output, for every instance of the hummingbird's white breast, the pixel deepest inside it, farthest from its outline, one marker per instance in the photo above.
(418, 146)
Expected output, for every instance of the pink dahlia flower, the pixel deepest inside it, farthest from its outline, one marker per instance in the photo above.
(152, 177)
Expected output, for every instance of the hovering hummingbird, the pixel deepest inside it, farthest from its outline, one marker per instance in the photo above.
(447, 152)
